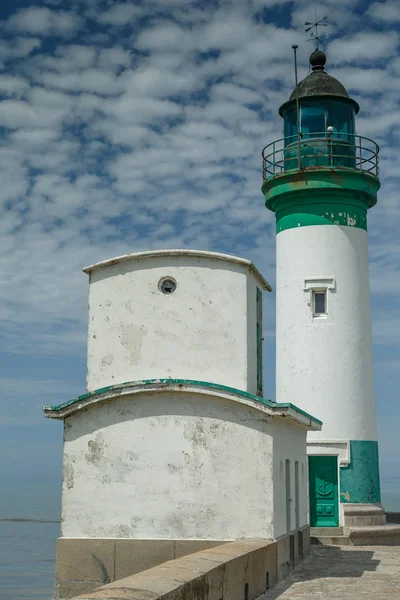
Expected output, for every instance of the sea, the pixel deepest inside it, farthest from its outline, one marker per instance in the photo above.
(30, 525)
(30, 510)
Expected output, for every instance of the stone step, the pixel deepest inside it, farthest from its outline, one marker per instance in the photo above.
(330, 540)
(329, 531)
(379, 535)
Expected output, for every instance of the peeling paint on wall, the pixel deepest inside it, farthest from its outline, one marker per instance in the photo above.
(132, 340)
(68, 472)
(107, 360)
(163, 466)
(96, 448)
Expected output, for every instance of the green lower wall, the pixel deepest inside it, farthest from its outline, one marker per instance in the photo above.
(359, 482)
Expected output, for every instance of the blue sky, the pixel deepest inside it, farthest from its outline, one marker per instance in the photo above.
(137, 125)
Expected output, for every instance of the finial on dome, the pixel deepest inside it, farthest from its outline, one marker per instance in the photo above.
(318, 60)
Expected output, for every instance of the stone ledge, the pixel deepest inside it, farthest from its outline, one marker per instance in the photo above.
(326, 531)
(225, 566)
(366, 510)
(379, 535)
(107, 559)
(326, 540)
(363, 515)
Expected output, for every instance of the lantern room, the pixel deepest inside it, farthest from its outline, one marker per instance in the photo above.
(319, 128)
(323, 104)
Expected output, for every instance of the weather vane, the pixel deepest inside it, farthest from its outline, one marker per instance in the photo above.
(314, 35)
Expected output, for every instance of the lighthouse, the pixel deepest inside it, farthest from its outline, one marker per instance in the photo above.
(320, 179)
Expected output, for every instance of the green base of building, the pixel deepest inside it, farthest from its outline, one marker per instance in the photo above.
(349, 495)
(321, 197)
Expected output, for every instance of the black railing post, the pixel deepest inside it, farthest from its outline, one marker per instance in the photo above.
(273, 157)
(297, 108)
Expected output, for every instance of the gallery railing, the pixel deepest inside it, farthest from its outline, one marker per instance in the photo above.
(321, 150)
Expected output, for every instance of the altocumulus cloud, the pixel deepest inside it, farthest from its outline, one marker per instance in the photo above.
(135, 125)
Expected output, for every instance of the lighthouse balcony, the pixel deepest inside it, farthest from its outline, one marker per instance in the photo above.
(320, 150)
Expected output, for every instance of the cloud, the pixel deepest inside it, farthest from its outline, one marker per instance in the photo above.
(114, 58)
(164, 36)
(37, 20)
(13, 86)
(19, 47)
(339, 14)
(97, 81)
(15, 113)
(118, 14)
(368, 46)
(385, 11)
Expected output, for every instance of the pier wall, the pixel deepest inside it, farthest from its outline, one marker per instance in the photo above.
(235, 570)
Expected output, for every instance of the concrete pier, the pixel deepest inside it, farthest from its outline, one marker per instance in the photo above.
(347, 573)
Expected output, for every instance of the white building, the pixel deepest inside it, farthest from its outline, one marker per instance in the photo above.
(173, 448)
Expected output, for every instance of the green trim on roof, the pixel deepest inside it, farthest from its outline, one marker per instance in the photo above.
(207, 384)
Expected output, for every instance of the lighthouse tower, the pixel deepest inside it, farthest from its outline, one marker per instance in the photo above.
(320, 179)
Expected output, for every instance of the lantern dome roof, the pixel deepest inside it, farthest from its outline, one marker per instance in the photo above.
(319, 84)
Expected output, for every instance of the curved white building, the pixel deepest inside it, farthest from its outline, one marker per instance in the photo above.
(173, 447)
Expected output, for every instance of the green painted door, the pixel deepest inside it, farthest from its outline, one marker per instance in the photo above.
(324, 502)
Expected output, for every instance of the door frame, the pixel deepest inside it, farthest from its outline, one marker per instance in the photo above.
(311, 494)
(288, 495)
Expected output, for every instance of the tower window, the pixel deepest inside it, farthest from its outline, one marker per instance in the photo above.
(319, 303)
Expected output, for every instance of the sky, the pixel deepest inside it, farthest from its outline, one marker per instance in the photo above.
(129, 126)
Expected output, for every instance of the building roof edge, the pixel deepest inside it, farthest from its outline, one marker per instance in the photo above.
(158, 385)
(181, 252)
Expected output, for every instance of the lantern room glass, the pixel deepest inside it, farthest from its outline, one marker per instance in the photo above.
(317, 116)
(320, 146)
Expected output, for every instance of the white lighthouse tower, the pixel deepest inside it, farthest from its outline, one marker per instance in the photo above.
(320, 180)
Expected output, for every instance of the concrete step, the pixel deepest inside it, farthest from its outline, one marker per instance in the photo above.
(330, 540)
(329, 531)
(379, 535)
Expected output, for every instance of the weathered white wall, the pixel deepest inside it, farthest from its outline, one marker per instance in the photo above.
(289, 442)
(204, 330)
(169, 466)
(325, 364)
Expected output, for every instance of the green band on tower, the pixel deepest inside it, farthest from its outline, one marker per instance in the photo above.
(324, 197)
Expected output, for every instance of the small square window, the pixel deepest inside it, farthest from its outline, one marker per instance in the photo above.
(319, 302)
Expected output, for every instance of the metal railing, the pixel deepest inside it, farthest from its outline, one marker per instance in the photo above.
(321, 150)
